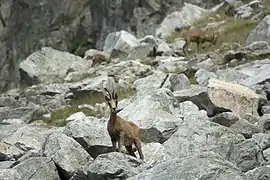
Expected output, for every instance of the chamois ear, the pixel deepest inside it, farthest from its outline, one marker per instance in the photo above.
(107, 95)
(114, 95)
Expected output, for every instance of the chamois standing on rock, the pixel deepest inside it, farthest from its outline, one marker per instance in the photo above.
(122, 131)
(199, 37)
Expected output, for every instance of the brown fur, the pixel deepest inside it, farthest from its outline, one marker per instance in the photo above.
(122, 131)
(199, 37)
(99, 58)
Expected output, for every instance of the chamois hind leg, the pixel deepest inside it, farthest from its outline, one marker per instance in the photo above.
(130, 151)
(138, 145)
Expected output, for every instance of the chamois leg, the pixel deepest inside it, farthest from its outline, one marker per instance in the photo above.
(130, 151)
(113, 144)
(185, 49)
(120, 142)
(138, 145)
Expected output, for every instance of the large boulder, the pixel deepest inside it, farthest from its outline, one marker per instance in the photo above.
(50, 66)
(186, 16)
(207, 165)
(234, 97)
(66, 153)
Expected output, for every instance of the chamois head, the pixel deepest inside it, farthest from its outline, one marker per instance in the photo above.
(112, 100)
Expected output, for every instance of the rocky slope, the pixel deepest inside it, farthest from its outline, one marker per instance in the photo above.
(202, 116)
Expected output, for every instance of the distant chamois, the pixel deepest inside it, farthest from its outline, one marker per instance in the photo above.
(122, 131)
(199, 37)
(99, 58)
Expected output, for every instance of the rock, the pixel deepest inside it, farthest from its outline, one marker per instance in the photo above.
(164, 49)
(231, 75)
(154, 153)
(141, 51)
(25, 138)
(186, 16)
(205, 165)
(113, 166)
(91, 133)
(237, 98)
(246, 155)
(236, 124)
(66, 153)
(176, 82)
(128, 71)
(9, 174)
(198, 95)
(76, 117)
(155, 114)
(247, 10)
(149, 84)
(257, 45)
(37, 168)
(197, 134)
(259, 173)
(261, 32)
(121, 42)
(6, 164)
(177, 46)
(50, 66)
(172, 64)
(202, 76)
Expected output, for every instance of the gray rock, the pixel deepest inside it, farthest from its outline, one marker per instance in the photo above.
(233, 96)
(37, 168)
(50, 66)
(10, 174)
(121, 42)
(24, 139)
(66, 153)
(113, 166)
(91, 133)
(172, 64)
(141, 51)
(186, 16)
(197, 134)
(259, 173)
(236, 124)
(246, 155)
(6, 164)
(261, 32)
(176, 82)
(201, 166)
(202, 76)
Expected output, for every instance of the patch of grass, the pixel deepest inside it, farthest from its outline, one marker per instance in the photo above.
(58, 117)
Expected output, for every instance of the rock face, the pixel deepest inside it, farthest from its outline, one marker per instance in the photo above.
(72, 26)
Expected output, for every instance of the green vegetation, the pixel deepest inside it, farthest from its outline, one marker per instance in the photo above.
(58, 117)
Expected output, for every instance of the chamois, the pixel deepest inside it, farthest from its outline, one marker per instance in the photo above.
(122, 131)
(199, 37)
(99, 58)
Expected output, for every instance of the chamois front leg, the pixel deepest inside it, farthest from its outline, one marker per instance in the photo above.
(120, 142)
(113, 144)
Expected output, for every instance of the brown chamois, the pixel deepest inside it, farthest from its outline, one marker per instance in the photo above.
(99, 58)
(199, 37)
(122, 131)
